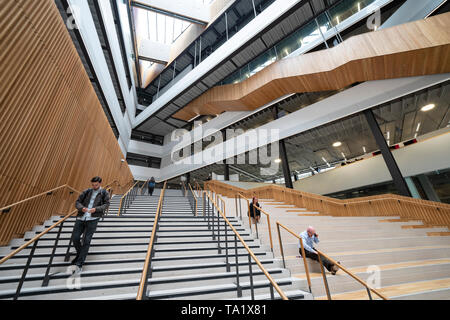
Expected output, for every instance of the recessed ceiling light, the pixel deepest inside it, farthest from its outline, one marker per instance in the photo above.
(337, 144)
(428, 107)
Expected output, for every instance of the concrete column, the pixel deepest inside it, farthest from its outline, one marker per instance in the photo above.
(283, 156)
(412, 188)
(391, 164)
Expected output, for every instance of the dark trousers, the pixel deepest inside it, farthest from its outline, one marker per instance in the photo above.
(150, 190)
(313, 256)
(88, 228)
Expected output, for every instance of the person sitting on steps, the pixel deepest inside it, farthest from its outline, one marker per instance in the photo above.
(309, 237)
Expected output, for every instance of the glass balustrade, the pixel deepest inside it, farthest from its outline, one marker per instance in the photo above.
(307, 36)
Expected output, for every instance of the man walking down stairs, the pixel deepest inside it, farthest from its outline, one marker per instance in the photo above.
(91, 205)
(113, 266)
(189, 262)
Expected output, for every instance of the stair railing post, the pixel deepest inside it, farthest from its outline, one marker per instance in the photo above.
(218, 230)
(207, 209)
(67, 256)
(52, 255)
(126, 204)
(325, 282)
(272, 295)
(368, 292)
(256, 228)
(235, 202)
(252, 289)
(240, 208)
(212, 221)
(204, 203)
(25, 270)
(239, 289)
(226, 245)
(281, 245)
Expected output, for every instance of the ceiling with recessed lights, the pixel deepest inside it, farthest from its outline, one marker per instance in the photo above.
(400, 120)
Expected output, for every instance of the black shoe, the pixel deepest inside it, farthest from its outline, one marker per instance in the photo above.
(334, 270)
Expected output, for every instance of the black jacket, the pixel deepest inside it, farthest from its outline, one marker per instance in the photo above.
(101, 202)
(254, 212)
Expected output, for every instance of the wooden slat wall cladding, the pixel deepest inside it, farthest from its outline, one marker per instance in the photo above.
(53, 130)
(413, 49)
(431, 213)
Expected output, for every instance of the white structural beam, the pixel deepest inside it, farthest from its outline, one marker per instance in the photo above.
(264, 19)
(129, 95)
(85, 23)
(412, 10)
(189, 10)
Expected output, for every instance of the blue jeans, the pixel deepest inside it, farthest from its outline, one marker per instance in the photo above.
(88, 228)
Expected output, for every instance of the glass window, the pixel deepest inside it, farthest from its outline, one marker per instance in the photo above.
(158, 27)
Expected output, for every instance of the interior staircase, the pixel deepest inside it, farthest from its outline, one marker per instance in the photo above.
(410, 263)
(186, 264)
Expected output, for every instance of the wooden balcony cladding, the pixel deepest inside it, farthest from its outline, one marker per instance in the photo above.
(413, 49)
(53, 130)
(431, 213)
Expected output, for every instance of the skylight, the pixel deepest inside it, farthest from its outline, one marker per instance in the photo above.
(158, 27)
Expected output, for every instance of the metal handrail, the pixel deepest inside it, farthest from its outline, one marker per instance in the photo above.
(268, 224)
(125, 198)
(13, 253)
(184, 187)
(142, 188)
(308, 277)
(345, 202)
(195, 198)
(239, 195)
(150, 250)
(198, 187)
(369, 289)
(34, 241)
(321, 265)
(251, 255)
(222, 201)
(260, 209)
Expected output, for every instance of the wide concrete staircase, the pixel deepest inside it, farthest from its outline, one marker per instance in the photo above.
(405, 258)
(186, 264)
